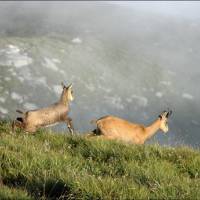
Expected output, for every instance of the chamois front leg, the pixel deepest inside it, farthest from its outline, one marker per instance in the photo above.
(68, 120)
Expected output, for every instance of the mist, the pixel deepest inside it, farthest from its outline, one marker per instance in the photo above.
(178, 9)
(129, 59)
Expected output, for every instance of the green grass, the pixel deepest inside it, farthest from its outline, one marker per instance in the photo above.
(57, 166)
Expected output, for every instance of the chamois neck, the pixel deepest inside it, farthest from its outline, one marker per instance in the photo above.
(152, 129)
(63, 99)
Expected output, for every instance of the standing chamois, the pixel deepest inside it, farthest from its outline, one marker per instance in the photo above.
(110, 127)
(55, 113)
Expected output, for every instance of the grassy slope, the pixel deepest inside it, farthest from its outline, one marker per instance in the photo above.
(48, 165)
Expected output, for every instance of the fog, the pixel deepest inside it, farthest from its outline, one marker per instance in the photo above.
(129, 59)
(183, 9)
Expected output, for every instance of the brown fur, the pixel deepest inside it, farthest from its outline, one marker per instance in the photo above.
(56, 113)
(111, 127)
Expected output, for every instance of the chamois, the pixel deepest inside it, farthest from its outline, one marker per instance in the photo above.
(111, 127)
(53, 114)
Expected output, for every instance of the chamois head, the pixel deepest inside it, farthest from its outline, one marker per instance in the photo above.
(67, 93)
(164, 120)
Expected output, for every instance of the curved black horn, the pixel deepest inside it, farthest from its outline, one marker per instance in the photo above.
(62, 84)
(169, 113)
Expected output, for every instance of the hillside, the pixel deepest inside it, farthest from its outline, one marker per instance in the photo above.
(121, 60)
(50, 166)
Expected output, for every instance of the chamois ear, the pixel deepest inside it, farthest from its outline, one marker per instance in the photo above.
(163, 114)
(70, 86)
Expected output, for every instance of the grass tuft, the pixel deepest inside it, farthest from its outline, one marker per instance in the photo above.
(59, 166)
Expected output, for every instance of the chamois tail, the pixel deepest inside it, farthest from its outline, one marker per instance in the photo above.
(93, 133)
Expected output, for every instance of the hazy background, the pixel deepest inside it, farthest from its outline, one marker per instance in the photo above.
(130, 59)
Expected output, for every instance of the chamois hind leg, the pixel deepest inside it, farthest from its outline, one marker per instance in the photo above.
(68, 121)
(13, 126)
(17, 123)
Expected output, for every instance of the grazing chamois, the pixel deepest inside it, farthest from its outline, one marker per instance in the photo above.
(53, 114)
(110, 127)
